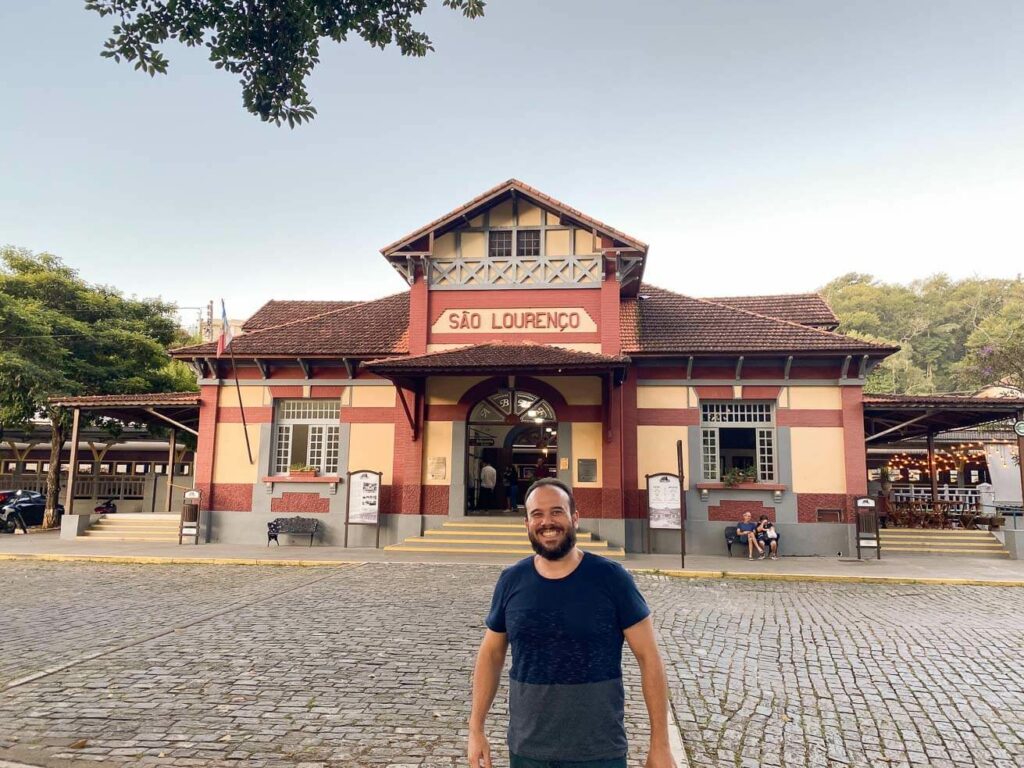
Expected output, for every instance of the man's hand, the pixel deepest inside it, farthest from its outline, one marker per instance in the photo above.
(479, 751)
(660, 757)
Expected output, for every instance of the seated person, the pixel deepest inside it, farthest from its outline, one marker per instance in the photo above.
(768, 537)
(746, 533)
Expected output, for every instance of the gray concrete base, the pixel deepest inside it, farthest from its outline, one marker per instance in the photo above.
(249, 528)
(1013, 540)
(73, 526)
(708, 538)
(612, 531)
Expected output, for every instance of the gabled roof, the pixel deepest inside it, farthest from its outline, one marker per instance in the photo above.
(499, 356)
(276, 312)
(368, 329)
(480, 202)
(670, 323)
(802, 308)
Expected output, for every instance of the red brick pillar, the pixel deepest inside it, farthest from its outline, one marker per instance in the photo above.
(206, 442)
(854, 448)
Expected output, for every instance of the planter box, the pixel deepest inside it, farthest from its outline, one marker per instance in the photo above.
(302, 475)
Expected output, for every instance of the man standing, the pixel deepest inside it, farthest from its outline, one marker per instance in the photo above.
(566, 613)
(488, 479)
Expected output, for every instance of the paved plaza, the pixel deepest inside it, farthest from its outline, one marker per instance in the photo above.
(353, 665)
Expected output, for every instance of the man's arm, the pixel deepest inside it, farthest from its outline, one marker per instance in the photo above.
(486, 674)
(641, 641)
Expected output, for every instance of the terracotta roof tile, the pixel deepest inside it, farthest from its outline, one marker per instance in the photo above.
(668, 322)
(526, 189)
(503, 356)
(149, 399)
(803, 308)
(368, 329)
(276, 312)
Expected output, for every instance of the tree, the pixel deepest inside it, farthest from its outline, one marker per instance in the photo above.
(64, 336)
(995, 350)
(274, 46)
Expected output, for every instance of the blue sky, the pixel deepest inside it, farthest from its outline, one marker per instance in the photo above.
(759, 147)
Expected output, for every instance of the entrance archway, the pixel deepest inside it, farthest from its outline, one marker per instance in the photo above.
(516, 433)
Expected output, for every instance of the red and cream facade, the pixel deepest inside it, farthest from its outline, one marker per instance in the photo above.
(516, 292)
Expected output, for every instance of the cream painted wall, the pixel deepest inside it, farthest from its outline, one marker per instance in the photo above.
(227, 397)
(444, 246)
(584, 242)
(586, 444)
(656, 452)
(230, 461)
(501, 214)
(474, 245)
(448, 390)
(558, 242)
(816, 398)
(372, 446)
(818, 459)
(577, 390)
(373, 397)
(437, 442)
(661, 397)
(529, 215)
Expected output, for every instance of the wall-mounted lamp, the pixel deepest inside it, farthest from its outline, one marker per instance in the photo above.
(703, 494)
(777, 496)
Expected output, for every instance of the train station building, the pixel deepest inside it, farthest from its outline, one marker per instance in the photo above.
(526, 338)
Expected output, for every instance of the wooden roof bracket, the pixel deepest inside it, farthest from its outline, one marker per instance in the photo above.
(789, 366)
(307, 369)
(171, 421)
(689, 368)
(264, 367)
(862, 369)
(350, 367)
(739, 367)
(412, 416)
(212, 366)
(902, 424)
(846, 367)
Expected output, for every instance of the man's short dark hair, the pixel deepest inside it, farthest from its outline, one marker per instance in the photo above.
(553, 481)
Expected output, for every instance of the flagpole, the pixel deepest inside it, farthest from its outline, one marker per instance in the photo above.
(225, 333)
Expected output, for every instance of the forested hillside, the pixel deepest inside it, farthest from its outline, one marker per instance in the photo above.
(955, 335)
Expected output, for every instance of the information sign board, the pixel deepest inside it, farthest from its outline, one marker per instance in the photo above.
(664, 502)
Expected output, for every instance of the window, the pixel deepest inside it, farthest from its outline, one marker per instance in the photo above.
(737, 436)
(528, 242)
(499, 244)
(307, 433)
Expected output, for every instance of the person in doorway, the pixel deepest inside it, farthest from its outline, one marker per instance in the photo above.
(746, 531)
(488, 479)
(566, 613)
(540, 469)
(511, 480)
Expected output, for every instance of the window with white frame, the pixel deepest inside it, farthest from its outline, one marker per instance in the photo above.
(306, 434)
(740, 436)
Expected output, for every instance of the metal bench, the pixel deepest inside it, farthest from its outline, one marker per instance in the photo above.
(292, 526)
(731, 537)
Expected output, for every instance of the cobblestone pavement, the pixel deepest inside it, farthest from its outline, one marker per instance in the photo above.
(369, 666)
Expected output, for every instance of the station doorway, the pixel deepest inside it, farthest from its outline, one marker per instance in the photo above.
(515, 434)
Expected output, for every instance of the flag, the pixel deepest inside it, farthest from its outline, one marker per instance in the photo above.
(225, 331)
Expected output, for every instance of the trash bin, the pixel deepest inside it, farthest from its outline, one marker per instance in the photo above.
(190, 512)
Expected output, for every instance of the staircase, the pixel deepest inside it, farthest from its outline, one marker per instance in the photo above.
(134, 527)
(921, 541)
(500, 536)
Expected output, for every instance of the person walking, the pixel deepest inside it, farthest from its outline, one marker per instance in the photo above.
(488, 479)
(511, 481)
(566, 613)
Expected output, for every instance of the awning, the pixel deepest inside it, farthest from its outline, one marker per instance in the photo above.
(179, 409)
(898, 417)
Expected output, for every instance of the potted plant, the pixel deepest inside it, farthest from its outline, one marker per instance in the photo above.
(302, 471)
(734, 476)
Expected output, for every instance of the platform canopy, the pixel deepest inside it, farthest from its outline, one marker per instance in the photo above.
(898, 417)
(178, 409)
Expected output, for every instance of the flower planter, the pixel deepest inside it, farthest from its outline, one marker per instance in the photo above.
(293, 475)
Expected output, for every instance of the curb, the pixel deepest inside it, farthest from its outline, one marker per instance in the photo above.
(153, 560)
(744, 576)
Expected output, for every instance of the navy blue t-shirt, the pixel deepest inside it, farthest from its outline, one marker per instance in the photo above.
(566, 700)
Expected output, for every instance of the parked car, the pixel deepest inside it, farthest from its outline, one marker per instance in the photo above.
(19, 508)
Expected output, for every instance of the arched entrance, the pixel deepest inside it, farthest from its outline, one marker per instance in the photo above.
(514, 431)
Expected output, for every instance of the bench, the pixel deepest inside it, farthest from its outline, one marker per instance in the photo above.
(731, 537)
(293, 526)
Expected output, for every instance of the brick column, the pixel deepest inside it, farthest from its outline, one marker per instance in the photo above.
(206, 442)
(854, 448)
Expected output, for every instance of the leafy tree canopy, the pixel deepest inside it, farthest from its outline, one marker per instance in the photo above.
(63, 336)
(272, 44)
(954, 334)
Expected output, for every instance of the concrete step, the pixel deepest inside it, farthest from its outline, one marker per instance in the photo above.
(474, 549)
(993, 553)
(500, 523)
(949, 533)
(488, 532)
(132, 516)
(116, 537)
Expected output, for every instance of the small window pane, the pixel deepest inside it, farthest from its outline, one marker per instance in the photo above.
(528, 242)
(709, 454)
(499, 244)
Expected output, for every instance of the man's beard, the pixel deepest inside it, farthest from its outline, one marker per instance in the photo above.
(557, 553)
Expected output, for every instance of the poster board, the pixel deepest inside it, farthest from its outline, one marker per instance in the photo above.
(664, 502)
(364, 487)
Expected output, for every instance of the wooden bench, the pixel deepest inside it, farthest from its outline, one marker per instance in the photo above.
(293, 526)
